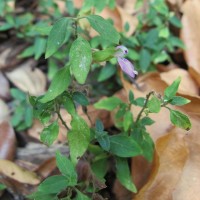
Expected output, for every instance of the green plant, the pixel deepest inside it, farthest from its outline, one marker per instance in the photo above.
(95, 144)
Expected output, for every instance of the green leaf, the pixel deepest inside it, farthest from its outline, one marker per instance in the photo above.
(171, 90)
(104, 55)
(145, 59)
(140, 101)
(80, 59)
(124, 175)
(56, 36)
(103, 139)
(81, 196)
(163, 56)
(164, 32)
(79, 138)
(106, 72)
(80, 98)
(50, 133)
(69, 105)
(154, 105)
(131, 97)
(145, 141)
(104, 28)
(180, 120)
(179, 101)
(58, 85)
(2, 186)
(99, 125)
(175, 21)
(17, 94)
(147, 121)
(66, 168)
(128, 120)
(124, 146)
(39, 47)
(28, 116)
(109, 103)
(53, 185)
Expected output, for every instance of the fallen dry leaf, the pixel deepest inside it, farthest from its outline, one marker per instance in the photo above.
(190, 34)
(27, 78)
(4, 114)
(13, 171)
(8, 143)
(172, 155)
(5, 87)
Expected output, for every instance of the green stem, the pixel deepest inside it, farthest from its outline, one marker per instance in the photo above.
(145, 106)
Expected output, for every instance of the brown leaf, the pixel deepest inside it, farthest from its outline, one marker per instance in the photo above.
(4, 114)
(172, 155)
(5, 88)
(13, 171)
(28, 79)
(8, 141)
(190, 35)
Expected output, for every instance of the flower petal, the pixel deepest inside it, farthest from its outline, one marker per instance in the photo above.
(122, 50)
(127, 67)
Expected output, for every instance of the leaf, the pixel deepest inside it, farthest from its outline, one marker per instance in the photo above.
(104, 55)
(80, 98)
(164, 32)
(179, 101)
(103, 139)
(79, 138)
(139, 101)
(106, 72)
(128, 120)
(80, 59)
(69, 105)
(2, 186)
(99, 125)
(56, 36)
(180, 120)
(171, 90)
(39, 47)
(124, 146)
(154, 105)
(131, 97)
(147, 121)
(58, 85)
(104, 28)
(109, 103)
(50, 133)
(66, 168)
(145, 59)
(53, 185)
(124, 175)
(81, 196)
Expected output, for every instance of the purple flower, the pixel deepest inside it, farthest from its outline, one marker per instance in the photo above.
(125, 64)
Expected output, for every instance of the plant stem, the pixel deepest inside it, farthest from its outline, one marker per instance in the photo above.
(145, 105)
(61, 119)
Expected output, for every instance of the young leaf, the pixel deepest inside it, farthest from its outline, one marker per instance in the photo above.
(80, 98)
(58, 85)
(103, 139)
(171, 90)
(104, 28)
(180, 120)
(146, 121)
(123, 174)
(179, 101)
(66, 168)
(104, 55)
(128, 120)
(80, 59)
(78, 137)
(50, 133)
(124, 146)
(109, 103)
(154, 105)
(56, 36)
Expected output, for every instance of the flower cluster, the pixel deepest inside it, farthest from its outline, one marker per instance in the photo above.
(125, 64)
